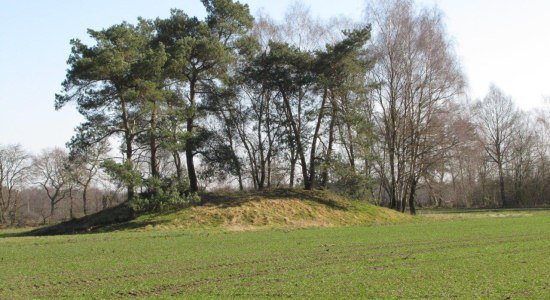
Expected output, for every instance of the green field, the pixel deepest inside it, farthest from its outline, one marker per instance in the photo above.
(483, 255)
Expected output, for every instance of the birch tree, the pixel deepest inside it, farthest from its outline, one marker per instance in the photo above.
(417, 72)
(497, 118)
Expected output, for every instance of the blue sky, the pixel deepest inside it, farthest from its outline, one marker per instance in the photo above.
(502, 42)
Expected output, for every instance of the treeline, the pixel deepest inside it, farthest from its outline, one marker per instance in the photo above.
(373, 111)
(52, 185)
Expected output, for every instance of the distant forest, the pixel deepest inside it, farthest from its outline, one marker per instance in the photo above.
(376, 111)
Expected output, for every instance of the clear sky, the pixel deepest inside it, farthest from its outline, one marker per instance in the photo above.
(506, 42)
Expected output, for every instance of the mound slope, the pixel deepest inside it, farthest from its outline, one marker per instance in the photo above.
(240, 211)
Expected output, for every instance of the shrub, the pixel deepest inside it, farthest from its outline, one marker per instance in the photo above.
(162, 195)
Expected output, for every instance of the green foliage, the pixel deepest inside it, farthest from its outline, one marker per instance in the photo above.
(163, 195)
(164, 200)
(123, 172)
(228, 18)
(139, 82)
(157, 84)
(219, 159)
(349, 182)
(342, 66)
(285, 67)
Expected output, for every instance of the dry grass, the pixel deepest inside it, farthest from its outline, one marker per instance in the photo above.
(274, 209)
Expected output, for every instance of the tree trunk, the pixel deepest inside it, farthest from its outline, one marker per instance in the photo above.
(298, 140)
(129, 152)
(85, 200)
(269, 171)
(177, 162)
(71, 211)
(293, 159)
(128, 139)
(189, 145)
(269, 142)
(191, 173)
(153, 143)
(238, 167)
(412, 209)
(314, 141)
(501, 184)
(328, 156)
(351, 152)
(52, 208)
(393, 194)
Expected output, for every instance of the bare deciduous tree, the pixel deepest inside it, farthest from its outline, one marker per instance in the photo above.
(14, 171)
(84, 167)
(497, 118)
(52, 174)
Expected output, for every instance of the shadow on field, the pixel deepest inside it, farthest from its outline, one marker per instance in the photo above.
(110, 219)
(9, 234)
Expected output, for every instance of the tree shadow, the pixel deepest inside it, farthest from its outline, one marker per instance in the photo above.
(9, 234)
(116, 217)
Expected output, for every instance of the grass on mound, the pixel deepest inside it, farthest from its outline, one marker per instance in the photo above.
(273, 209)
(238, 211)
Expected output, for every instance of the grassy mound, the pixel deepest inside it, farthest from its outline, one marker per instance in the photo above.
(240, 211)
(272, 209)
